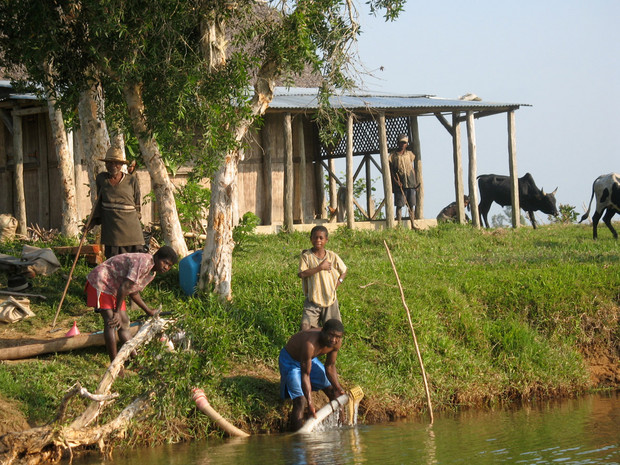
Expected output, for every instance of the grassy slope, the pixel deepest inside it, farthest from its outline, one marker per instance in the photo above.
(498, 315)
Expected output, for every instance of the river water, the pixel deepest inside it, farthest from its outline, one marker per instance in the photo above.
(575, 431)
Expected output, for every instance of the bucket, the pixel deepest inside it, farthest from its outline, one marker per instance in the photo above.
(189, 269)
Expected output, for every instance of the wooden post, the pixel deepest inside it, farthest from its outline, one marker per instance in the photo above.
(471, 148)
(43, 175)
(268, 144)
(417, 150)
(458, 166)
(514, 178)
(18, 159)
(319, 188)
(288, 174)
(350, 216)
(333, 186)
(370, 203)
(303, 191)
(385, 171)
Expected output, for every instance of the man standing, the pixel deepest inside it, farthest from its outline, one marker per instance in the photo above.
(301, 372)
(403, 176)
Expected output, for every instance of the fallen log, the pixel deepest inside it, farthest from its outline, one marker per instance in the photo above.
(60, 344)
(47, 444)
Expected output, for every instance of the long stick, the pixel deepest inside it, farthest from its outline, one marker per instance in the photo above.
(77, 255)
(415, 339)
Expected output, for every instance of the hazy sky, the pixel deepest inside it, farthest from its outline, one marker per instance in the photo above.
(560, 56)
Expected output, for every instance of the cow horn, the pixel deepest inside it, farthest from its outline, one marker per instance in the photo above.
(553, 193)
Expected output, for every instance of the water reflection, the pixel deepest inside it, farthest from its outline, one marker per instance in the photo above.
(578, 431)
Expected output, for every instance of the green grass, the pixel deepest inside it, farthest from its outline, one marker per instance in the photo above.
(499, 315)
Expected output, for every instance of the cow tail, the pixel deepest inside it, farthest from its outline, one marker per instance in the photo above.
(587, 213)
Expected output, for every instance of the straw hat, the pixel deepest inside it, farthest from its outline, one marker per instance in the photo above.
(114, 154)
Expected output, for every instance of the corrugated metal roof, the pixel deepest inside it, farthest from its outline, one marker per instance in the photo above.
(297, 99)
(6, 94)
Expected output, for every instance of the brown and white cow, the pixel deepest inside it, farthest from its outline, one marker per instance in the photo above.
(607, 190)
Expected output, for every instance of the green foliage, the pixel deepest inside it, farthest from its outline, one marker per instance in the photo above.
(195, 94)
(567, 215)
(245, 229)
(192, 201)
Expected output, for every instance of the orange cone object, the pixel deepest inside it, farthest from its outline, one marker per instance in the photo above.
(74, 331)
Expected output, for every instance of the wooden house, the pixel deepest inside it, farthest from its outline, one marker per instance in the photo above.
(283, 175)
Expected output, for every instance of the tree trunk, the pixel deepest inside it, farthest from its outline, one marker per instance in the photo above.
(216, 266)
(66, 168)
(20, 195)
(95, 137)
(162, 186)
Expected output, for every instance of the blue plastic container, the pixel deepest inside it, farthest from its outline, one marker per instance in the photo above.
(189, 270)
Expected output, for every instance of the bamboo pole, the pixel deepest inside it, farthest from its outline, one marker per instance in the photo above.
(415, 339)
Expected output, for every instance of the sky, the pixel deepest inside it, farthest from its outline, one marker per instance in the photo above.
(559, 56)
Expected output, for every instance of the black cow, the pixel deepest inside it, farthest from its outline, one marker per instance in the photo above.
(607, 190)
(496, 188)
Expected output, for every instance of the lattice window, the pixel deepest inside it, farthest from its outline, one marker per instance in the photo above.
(366, 138)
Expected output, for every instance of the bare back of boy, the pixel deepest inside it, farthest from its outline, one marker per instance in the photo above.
(305, 345)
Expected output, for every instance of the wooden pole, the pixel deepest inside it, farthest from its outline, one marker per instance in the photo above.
(43, 175)
(350, 215)
(458, 167)
(415, 339)
(385, 171)
(303, 191)
(268, 144)
(333, 186)
(288, 174)
(18, 158)
(319, 188)
(514, 177)
(417, 150)
(471, 148)
(370, 204)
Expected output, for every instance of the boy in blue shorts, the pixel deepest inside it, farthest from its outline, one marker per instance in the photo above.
(301, 372)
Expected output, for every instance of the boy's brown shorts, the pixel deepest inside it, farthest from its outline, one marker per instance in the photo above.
(314, 316)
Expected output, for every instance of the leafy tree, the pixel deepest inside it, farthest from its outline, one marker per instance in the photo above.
(189, 78)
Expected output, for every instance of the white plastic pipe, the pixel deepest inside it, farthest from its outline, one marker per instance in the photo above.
(324, 412)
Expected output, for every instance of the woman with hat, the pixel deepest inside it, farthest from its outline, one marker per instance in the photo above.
(118, 207)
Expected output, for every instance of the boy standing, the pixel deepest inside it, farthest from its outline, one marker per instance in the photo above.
(124, 275)
(321, 272)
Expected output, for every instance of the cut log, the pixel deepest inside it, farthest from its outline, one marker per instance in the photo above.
(61, 344)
